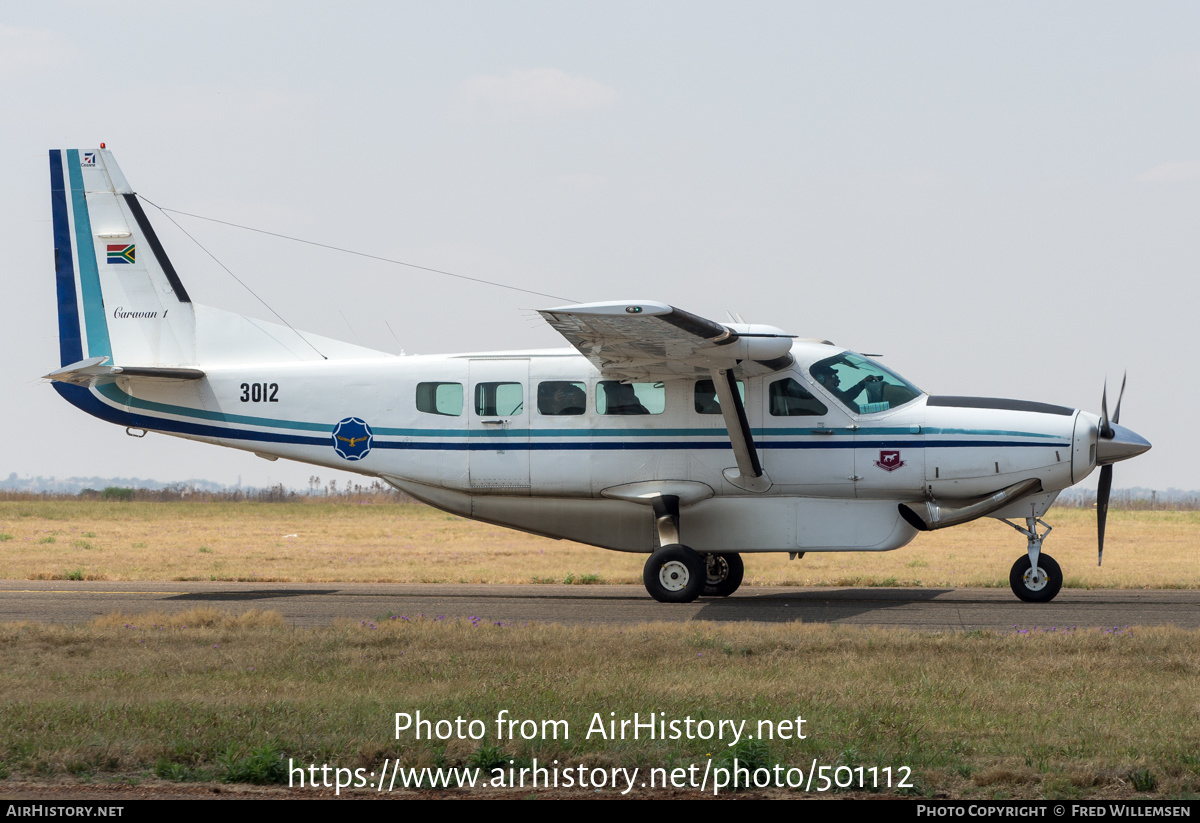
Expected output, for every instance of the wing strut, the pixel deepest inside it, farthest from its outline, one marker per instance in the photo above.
(749, 474)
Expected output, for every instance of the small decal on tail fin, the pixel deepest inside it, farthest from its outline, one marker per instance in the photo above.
(122, 253)
(88, 158)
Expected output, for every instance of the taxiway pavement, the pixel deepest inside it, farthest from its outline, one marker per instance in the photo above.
(320, 604)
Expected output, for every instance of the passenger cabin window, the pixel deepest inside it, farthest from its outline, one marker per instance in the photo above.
(615, 397)
(787, 398)
(499, 399)
(440, 398)
(705, 396)
(863, 385)
(561, 397)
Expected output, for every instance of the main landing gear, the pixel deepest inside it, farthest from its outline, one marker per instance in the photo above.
(723, 574)
(675, 573)
(1035, 578)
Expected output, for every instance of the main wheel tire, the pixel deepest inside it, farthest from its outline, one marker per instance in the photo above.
(724, 574)
(674, 574)
(1050, 579)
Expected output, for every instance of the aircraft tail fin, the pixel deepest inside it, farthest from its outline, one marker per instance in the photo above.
(119, 297)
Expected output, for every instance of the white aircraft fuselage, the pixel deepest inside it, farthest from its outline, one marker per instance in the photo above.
(634, 439)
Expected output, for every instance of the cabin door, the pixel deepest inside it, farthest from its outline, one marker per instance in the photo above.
(498, 428)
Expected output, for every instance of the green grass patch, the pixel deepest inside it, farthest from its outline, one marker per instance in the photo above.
(260, 765)
(206, 696)
(584, 579)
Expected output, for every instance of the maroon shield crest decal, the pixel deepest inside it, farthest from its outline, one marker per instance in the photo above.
(889, 461)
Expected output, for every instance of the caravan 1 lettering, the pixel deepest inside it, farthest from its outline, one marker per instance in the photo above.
(121, 313)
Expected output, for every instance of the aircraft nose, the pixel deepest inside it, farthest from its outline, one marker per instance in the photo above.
(1124, 444)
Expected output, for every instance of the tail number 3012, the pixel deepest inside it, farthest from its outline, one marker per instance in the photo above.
(260, 393)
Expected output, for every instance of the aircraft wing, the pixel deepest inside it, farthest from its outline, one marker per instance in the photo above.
(645, 340)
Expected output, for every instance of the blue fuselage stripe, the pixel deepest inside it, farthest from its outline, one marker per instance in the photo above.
(70, 345)
(82, 398)
(87, 401)
(512, 437)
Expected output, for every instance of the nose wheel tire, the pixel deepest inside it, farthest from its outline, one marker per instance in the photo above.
(674, 574)
(724, 574)
(1039, 588)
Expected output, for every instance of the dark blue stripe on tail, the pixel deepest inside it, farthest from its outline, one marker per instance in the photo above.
(69, 343)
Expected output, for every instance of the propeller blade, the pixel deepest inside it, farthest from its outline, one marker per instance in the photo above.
(1117, 410)
(1102, 492)
(1105, 429)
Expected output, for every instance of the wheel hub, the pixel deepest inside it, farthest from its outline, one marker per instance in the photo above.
(673, 576)
(717, 569)
(1038, 582)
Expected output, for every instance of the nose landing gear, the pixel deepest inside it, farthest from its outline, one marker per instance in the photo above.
(1035, 578)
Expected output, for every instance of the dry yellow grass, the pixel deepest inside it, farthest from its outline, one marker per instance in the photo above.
(345, 541)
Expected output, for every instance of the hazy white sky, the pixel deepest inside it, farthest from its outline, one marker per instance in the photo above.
(1001, 198)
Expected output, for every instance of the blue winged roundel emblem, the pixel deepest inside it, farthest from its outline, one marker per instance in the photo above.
(352, 438)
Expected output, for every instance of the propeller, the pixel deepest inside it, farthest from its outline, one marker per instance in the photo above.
(1104, 489)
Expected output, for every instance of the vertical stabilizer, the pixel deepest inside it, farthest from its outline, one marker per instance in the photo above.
(119, 297)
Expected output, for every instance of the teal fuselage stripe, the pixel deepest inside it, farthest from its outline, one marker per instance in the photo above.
(89, 276)
(113, 393)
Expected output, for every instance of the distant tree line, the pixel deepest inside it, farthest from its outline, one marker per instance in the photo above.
(1132, 500)
(375, 492)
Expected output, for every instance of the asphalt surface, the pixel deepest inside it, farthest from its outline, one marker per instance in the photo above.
(319, 604)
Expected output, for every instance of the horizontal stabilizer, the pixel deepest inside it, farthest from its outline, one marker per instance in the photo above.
(93, 371)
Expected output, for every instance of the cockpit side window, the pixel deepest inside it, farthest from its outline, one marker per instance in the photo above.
(864, 386)
(787, 398)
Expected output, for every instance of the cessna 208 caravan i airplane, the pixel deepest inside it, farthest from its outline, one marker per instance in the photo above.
(658, 431)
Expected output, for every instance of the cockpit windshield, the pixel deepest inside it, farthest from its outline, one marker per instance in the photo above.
(862, 385)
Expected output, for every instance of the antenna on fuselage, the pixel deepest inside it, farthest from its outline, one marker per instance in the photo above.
(397, 339)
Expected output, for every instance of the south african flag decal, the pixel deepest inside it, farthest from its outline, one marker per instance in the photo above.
(121, 254)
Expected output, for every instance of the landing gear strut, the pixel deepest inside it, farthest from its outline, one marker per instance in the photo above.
(1035, 578)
